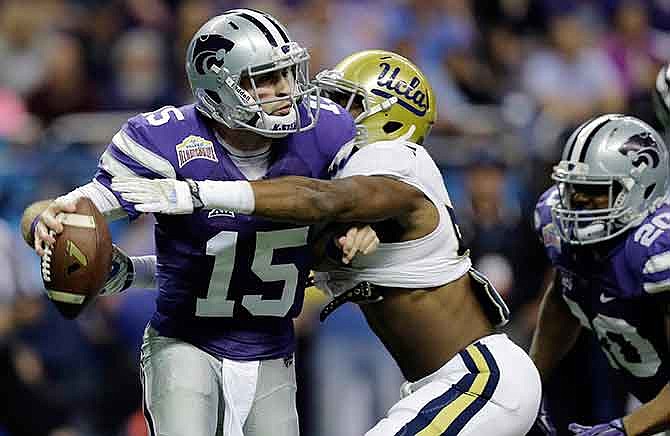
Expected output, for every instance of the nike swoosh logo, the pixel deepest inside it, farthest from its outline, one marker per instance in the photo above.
(604, 299)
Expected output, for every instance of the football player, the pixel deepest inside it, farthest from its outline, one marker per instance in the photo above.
(605, 226)
(217, 356)
(419, 293)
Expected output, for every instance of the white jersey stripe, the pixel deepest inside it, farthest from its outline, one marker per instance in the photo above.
(113, 166)
(657, 263)
(143, 156)
(656, 287)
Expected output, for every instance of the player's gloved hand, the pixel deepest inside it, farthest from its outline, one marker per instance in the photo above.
(167, 196)
(612, 428)
(661, 96)
(543, 425)
(362, 240)
(121, 275)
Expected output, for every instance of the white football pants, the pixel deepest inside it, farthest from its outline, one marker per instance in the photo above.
(491, 388)
(188, 392)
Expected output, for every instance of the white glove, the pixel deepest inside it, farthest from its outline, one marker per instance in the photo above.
(169, 196)
(122, 273)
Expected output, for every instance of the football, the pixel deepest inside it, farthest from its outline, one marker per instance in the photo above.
(76, 266)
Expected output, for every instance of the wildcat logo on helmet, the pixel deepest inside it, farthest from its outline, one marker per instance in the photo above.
(209, 50)
(645, 148)
(195, 147)
(411, 97)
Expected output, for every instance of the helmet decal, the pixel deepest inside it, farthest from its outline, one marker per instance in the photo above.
(645, 148)
(389, 95)
(409, 96)
(210, 50)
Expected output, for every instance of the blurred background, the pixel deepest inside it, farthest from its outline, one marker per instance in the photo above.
(511, 78)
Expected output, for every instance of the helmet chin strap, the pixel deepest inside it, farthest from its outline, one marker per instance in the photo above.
(383, 106)
(407, 135)
(592, 231)
(276, 126)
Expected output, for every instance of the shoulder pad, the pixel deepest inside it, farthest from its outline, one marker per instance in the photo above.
(390, 158)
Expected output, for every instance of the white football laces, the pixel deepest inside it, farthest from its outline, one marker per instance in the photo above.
(46, 259)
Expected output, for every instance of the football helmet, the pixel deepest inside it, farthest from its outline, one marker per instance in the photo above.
(614, 155)
(394, 96)
(243, 44)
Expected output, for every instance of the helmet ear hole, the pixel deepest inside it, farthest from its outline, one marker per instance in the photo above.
(391, 127)
(214, 96)
(649, 190)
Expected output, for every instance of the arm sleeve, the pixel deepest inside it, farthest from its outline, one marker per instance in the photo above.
(102, 197)
(654, 266)
(132, 152)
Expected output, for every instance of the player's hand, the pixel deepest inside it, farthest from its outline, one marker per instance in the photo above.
(612, 428)
(543, 425)
(169, 196)
(362, 240)
(49, 224)
(121, 274)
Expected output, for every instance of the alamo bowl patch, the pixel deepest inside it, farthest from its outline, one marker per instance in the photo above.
(195, 147)
(550, 237)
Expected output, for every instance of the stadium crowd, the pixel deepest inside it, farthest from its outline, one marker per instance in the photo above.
(511, 78)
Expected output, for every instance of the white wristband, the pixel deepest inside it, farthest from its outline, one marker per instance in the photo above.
(145, 272)
(236, 196)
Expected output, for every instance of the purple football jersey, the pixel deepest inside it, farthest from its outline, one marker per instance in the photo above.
(618, 289)
(228, 283)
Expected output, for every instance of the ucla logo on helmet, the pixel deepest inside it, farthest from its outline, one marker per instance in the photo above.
(409, 94)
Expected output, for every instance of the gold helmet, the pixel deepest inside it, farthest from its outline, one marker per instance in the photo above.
(387, 94)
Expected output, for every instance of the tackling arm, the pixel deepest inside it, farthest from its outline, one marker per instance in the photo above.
(350, 199)
(556, 332)
(291, 198)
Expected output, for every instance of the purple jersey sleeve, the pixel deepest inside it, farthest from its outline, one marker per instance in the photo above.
(544, 226)
(648, 253)
(334, 134)
(140, 148)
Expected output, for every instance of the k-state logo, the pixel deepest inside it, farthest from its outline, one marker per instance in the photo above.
(209, 50)
(409, 95)
(645, 148)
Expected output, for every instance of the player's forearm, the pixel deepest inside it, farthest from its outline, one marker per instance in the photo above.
(29, 215)
(556, 332)
(302, 199)
(650, 418)
(305, 200)
(361, 199)
(103, 199)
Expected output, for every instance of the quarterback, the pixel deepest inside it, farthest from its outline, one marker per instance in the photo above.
(217, 357)
(419, 293)
(606, 229)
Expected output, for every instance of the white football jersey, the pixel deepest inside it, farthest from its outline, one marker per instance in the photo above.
(432, 260)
